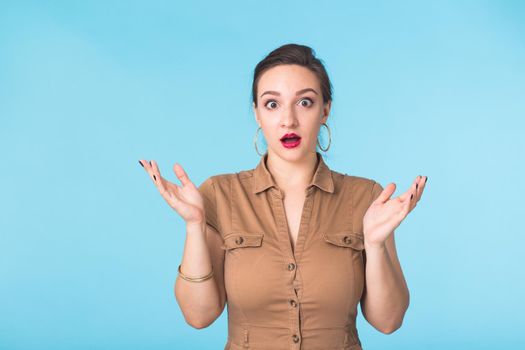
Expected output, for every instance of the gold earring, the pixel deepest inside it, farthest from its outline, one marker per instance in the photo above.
(255, 139)
(329, 139)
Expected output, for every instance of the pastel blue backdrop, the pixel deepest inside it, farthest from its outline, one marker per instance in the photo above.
(88, 248)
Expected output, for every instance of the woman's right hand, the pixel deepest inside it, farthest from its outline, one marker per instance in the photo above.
(185, 199)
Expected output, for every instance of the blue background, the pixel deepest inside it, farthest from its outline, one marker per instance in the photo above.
(88, 248)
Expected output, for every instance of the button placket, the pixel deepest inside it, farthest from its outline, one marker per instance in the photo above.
(292, 257)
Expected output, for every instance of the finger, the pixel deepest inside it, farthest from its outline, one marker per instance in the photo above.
(407, 207)
(409, 195)
(147, 167)
(418, 189)
(157, 178)
(422, 183)
(386, 193)
(415, 190)
(181, 174)
(408, 201)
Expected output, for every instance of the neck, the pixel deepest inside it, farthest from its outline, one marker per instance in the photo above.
(292, 175)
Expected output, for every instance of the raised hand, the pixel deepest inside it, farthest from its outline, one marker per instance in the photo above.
(186, 199)
(385, 214)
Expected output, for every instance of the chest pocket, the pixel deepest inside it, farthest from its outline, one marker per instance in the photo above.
(347, 239)
(349, 244)
(242, 240)
(238, 244)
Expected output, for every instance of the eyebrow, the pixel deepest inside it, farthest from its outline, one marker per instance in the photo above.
(296, 94)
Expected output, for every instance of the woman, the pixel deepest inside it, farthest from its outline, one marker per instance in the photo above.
(291, 246)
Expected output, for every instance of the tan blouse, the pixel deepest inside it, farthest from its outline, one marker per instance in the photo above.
(278, 298)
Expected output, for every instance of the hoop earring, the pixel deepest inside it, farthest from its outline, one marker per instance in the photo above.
(329, 139)
(255, 139)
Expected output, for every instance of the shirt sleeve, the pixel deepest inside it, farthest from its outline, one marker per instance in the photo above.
(376, 190)
(207, 190)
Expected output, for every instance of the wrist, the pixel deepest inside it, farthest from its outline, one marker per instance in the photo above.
(375, 246)
(195, 226)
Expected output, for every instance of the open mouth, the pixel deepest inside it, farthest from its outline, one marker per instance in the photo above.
(290, 140)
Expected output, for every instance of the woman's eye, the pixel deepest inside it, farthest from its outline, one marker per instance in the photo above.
(271, 103)
(308, 102)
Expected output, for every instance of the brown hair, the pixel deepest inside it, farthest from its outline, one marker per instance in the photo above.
(294, 54)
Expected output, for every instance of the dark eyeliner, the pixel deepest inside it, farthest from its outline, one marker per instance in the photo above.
(266, 103)
(309, 99)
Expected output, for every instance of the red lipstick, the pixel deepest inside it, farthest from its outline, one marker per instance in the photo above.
(290, 140)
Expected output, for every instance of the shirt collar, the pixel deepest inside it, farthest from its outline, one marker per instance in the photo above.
(263, 179)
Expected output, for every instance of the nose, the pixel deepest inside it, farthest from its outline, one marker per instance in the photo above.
(288, 117)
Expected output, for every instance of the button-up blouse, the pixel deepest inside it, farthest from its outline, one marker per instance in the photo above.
(284, 298)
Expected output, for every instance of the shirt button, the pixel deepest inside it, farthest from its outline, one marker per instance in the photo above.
(291, 266)
(239, 240)
(295, 338)
(293, 303)
(347, 239)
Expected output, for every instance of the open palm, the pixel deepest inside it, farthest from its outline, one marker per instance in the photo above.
(385, 214)
(186, 199)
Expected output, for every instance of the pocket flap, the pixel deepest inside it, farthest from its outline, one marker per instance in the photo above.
(241, 240)
(346, 239)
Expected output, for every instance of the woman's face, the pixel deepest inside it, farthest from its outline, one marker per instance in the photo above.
(290, 101)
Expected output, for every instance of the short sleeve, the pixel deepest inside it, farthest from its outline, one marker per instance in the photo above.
(376, 190)
(207, 190)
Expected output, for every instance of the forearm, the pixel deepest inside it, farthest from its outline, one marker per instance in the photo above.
(199, 301)
(387, 295)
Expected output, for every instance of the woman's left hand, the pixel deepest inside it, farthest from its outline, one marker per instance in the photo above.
(385, 214)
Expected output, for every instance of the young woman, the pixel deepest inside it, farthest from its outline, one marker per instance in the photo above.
(290, 246)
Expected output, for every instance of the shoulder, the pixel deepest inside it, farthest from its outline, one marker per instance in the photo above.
(224, 180)
(215, 179)
(363, 187)
(232, 177)
(359, 182)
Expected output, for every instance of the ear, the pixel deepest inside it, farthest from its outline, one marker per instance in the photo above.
(255, 114)
(326, 111)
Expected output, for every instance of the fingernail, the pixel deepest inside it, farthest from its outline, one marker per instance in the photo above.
(155, 177)
(412, 195)
(416, 186)
(141, 164)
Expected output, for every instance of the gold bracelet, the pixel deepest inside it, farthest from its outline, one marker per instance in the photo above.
(196, 279)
